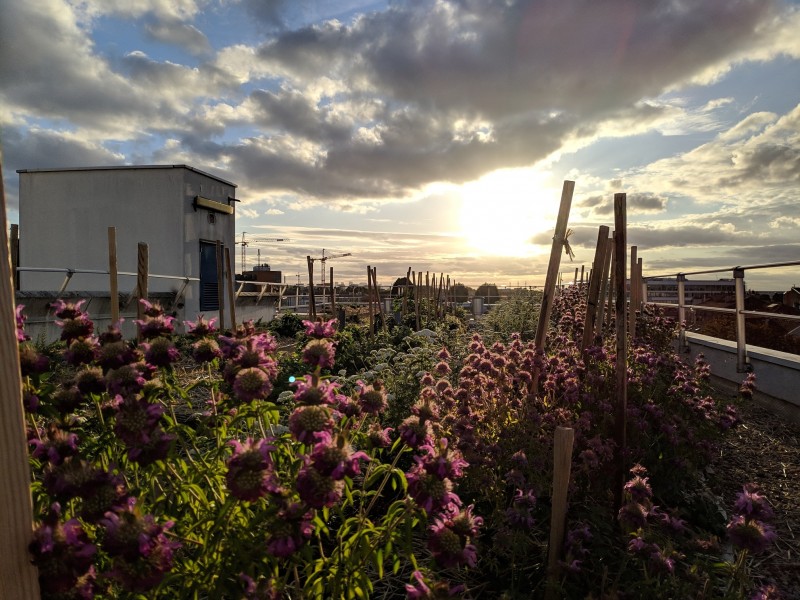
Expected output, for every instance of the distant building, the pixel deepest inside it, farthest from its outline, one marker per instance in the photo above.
(179, 211)
(791, 297)
(695, 291)
(262, 273)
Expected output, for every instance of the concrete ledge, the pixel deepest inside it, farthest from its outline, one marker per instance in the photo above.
(777, 373)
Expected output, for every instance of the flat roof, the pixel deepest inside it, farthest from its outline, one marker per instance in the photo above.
(121, 167)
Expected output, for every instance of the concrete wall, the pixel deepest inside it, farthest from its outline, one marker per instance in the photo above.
(65, 215)
(777, 373)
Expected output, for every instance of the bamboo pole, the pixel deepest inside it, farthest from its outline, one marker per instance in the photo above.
(562, 465)
(369, 302)
(113, 281)
(18, 577)
(312, 305)
(632, 295)
(417, 294)
(220, 287)
(142, 268)
(620, 413)
(333, 296)
(378, 297)
(555, 260)
(229, 279)
(594, 287)
(601, 305)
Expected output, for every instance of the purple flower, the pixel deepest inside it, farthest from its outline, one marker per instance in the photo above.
(21, 318)
(141, 551)
(638, 489)
(67, 310)
(80, 326)
(31, 362)
(201, 327)
(429, 491)
(127, 380)
(307, 423)
(449, 547)
(205, 350)
(90, 381)
(56, 447)
(633, 516)
(371, 398)
(264, 589)
(161, 352)
(290, 530)
(418, 589)
(310, 391)
(250, 473)
(520, 513)
(115, 354)
(377, 437)
(316, 489)
(319, 354)
(767, 592)
(442, 461)
(414, 432)
(750, 534)
(335, 458)
(320, 329)
(752, 504)
(82, 351)
(251, 384)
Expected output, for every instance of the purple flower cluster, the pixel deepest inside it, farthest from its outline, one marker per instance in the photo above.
(251, 473)
(750, 528)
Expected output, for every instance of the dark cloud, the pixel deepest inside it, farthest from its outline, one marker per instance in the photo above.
(268, 12)
(290, 111)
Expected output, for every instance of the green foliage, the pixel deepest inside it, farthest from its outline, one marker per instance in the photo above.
(518, 313)
(286, 325)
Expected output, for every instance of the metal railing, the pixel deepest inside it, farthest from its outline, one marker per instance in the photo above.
(742, 364)
(70, 272)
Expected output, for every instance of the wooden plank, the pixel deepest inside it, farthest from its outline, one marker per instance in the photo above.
(417, 295)
(369, 302)
(113, 281)
(15, 255)
(18, 577)
(601, 305)
(632, 295)
(621, 367)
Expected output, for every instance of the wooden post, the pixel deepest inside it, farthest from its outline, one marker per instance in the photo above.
(575, 281)
(428, 297)
(15, 255)
(378, 297)
(594, 287)
(417, 294)
(333, 296)
(612, 280)
(142, 269)
(18, 577)
(562, 464)
(229, 279)
(113, 281)
(632, 295)
(582, 267)
(601, 305)
(369, 302)
(405, 293)
(312, 307)
(220, 287)
(439, 308)
(741, 338)
(555, 260)
(621, 408)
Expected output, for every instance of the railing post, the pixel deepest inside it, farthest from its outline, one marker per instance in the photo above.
(681, 312)
(741, 342)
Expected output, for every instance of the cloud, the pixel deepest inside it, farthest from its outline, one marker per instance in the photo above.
(274, 211)
(179, 34)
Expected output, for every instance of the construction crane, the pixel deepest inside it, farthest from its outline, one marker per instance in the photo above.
(323, 259)
(244, 243)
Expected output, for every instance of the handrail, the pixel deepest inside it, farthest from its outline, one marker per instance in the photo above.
(740, 312)
(100, 272)
(793, 263)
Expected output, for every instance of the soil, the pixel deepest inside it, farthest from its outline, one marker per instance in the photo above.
(765, 450)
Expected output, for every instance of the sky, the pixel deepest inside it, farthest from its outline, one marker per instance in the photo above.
(433, 134)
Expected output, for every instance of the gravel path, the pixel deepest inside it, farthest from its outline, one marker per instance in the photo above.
(765, 450)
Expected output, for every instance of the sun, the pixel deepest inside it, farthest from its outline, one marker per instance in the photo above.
(502, 211)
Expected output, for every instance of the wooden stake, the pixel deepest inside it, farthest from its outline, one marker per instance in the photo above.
(594, 287)
(229, 279)
(417, 294)
(312, 305)
(555, 260)
(575, 281)
(113, 281)
(405, 293)
(333, 296)
(632, 296)
(621, 405)
(142, 268)
(18, 577)
(582, 267)
(220, 287)
(369, 302)
(601, 305)
(378, 297)
(562, 465)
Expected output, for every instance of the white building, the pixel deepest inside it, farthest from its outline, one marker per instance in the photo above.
(179, 211)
